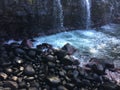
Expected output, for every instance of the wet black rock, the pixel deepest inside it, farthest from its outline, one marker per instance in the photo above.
(50, 58)
(109, 86)
(76, 62)
(51, 64)
(29, 70)
(60, 54)
(67, 60)
(69, 49)
(5, 62)
(61, 88)
(19, 61)
(8, 70)
(27, 43)
(46, 68)
(22, 84)
(33, 88)
(14, 45)
(11, 84)
(3, 76)
(62, 73)
(44, 49)
(70, 86)
(19, 51)
(54, 80)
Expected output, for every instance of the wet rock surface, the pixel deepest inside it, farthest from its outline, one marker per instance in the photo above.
(46, 68)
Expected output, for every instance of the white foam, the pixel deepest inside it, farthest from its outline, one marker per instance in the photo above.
(96, 43)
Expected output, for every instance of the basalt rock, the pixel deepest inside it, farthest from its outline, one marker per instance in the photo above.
(11, 85)
(54, 80)
(69, 49)
(52, 69)
(29, 70)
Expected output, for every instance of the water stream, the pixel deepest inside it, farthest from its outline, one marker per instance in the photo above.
(58, 14)
(88, 13)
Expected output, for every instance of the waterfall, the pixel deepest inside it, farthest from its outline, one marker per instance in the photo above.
(58, 14)
(87, 4)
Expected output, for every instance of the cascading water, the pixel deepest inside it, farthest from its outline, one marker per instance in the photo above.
(58, 14)
(87, 4)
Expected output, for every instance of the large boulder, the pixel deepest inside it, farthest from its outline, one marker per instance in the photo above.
(69, 49)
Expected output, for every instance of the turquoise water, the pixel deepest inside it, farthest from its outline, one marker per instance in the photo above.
(101, 43)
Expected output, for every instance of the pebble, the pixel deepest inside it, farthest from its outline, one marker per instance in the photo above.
(3, 75)
(46, 68)
(29, 70)
(54, 80)
(14, 78)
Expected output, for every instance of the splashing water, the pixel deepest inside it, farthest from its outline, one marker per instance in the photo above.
(90, 43)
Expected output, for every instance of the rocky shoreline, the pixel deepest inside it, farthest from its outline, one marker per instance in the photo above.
(47, 68)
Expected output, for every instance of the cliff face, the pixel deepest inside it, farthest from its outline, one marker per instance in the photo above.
(23, 15)
(105, 11)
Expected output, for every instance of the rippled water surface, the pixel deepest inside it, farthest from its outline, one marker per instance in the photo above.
(102, 43)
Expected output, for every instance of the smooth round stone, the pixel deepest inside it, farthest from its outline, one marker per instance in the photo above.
(62, 73)
(29, 78)
(32, 88)
(22, 84)
(5, 63)
(3, 75)
(70, 85)
(75, 73)
(21, 68)
(54, 80)
(8, 70)
(11, 84)
(19, 61)
(51, 64)
(19, 51)
(61, 88)
(15, 78)
(58, 61)
(29, 70)
(50, 57)
(32, 53)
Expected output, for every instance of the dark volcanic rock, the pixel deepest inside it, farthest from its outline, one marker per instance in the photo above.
(32, 53)
(19, 51)
(67, 60)
(5, 62)
(3, 76)
(11, 84)
(54, 80)
(19, 61)
(29, 70)
(60, 54)
(8, 70)
(69, 49)
(52, 69)
(61, 88)
(109, 86)
(27, 43)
